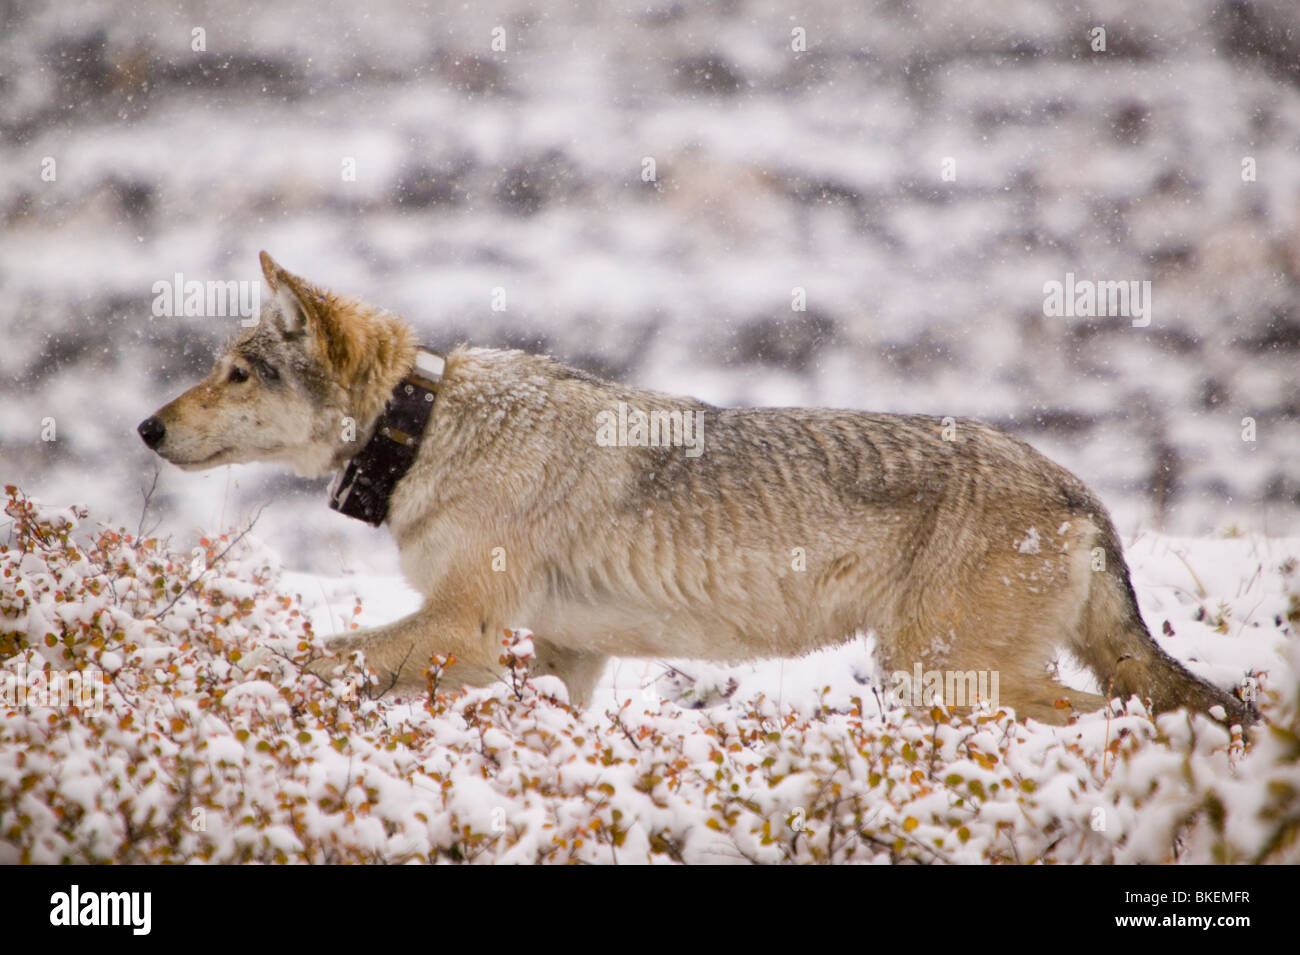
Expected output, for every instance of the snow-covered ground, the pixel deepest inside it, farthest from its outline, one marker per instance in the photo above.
(189, 749)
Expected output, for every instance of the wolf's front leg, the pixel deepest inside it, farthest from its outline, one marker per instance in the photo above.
(578, 670)
(399, 652)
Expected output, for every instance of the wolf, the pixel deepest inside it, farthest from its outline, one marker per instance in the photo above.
(535, 494)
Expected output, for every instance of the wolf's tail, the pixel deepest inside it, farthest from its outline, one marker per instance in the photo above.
(1119, 649)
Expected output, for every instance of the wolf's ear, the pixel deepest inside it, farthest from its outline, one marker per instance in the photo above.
(312, 316)
(270, 268)
(297, 301)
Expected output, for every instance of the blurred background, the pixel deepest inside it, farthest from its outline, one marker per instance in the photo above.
(523, 169)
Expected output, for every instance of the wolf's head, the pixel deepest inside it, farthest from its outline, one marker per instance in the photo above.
(303, 386)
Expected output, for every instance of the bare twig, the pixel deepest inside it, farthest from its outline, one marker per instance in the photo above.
(144, 507)
(618, 721)
(396, 673)
(1200, 587)
(682, 673)
(190, 585)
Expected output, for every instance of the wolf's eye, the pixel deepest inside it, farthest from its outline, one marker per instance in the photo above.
(237, 374)
(265, 371)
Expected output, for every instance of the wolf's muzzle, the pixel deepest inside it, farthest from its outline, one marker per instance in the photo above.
(152, 431)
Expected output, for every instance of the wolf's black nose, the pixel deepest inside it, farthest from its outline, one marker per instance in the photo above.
(152, 430)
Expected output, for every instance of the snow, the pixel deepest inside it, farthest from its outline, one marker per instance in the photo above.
(1030, 543)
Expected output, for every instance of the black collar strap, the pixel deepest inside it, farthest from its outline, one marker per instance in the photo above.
(362, 489)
